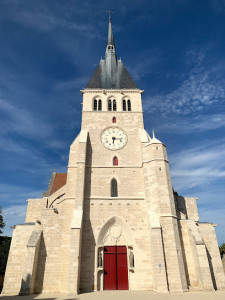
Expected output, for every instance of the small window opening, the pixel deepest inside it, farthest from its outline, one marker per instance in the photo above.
(124, 105)
(109, 105)
(95, 104)
(115, 161)
(99, 104)
(114, 105)
(114, 191)
(114, 119)
(129, 105)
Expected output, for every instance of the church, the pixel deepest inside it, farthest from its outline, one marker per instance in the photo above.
(113, 221)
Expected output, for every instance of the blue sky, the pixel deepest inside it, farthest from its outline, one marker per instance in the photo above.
(174, 50)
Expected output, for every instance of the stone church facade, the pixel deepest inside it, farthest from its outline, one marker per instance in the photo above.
(113, 220)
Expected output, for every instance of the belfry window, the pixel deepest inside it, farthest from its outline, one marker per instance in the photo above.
(114, 119)
(114, 191)
(124, 105)
(115, 161)
(100, 104)
(129, 105)
(109, 104)
(114, 105)
(95, 104)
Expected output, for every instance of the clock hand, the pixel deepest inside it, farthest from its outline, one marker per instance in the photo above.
(118, 139)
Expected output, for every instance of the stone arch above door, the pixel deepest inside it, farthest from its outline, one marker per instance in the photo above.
(114, 232)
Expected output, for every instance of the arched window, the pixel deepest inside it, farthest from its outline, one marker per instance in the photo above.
(129, 105)
(95, 104)
(124, 105)
(114, 105)
(114, 191)
(100, 104)
(114, 119)
(109, 104)
(115, 161)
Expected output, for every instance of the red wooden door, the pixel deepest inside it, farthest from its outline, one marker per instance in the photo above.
(115, 268)
(121, 264)
(110, 268)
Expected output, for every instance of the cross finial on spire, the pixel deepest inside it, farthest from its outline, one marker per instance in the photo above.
(110, 12)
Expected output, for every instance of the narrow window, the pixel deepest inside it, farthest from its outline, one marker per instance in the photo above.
(109, 105)
(95, 104)
(114, 119)
(114, 105)
(115, 161)
(99, 104)
(124, 105)
(114, 192)
(129, 105)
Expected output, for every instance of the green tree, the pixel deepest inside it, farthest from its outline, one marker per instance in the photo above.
(222, 248)
(2, 224)
(5, 242)
(4, 246)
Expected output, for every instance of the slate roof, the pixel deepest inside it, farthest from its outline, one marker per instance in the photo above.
(111, 72)
(122, 79)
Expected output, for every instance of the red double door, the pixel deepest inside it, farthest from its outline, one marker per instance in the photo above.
(115, 268)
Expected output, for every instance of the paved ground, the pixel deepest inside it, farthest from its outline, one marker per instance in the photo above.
(127, 295)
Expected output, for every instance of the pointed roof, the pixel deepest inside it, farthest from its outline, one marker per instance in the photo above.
(154, 140)
(111, 72)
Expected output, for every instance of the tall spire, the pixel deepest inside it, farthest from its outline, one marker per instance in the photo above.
(111, 73)
(110, 40)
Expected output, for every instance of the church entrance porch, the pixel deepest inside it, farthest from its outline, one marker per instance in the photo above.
(115, 268)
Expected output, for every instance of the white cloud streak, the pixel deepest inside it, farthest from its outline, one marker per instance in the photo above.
(12, 216)
(198, 166)
(202, 90)
(19, 120)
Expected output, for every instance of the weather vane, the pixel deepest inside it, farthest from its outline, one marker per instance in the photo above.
(110, 12)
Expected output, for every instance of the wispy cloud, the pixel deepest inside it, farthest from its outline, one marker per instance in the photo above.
(197, 166)
(192, 124)
(201, 90)
(12, 216)
(19, 120)
(41, 18)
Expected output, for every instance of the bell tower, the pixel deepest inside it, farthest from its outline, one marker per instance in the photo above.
(121, 178)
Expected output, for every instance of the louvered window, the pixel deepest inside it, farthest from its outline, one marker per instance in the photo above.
(99, 104)
(109, 105)
(95, 104)
(124, 105)
(114, 105)
(129, 105)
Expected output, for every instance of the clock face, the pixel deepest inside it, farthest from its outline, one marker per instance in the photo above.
(114, 138)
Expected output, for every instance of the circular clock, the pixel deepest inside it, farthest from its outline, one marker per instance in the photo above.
(114, 138)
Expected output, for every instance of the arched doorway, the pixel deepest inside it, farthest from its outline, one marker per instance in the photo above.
(114, 246)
